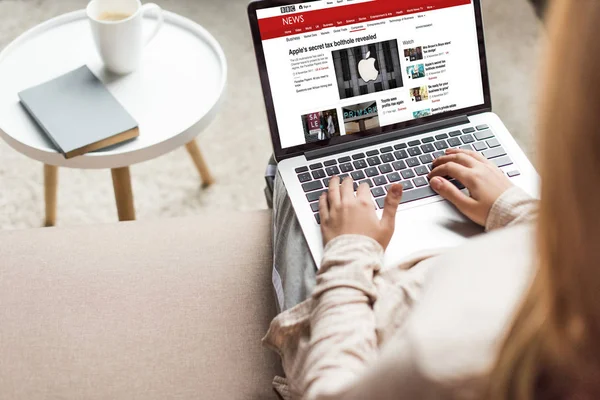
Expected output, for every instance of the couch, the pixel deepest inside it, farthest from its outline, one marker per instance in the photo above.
(143, 310)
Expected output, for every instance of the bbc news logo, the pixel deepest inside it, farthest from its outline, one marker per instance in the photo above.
(293, 20)
(288, 9)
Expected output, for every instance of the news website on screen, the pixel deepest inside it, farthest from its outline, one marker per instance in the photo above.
(339, 67)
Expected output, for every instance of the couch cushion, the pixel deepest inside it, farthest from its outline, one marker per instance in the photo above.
(142, 310)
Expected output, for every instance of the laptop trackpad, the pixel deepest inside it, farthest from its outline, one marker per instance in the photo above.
(431, 226)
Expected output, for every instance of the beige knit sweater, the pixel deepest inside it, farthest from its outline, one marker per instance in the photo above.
(429, 328)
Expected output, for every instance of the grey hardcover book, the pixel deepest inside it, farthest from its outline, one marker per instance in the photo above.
(78, 113)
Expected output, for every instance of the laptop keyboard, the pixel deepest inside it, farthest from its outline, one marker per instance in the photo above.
(407, 164)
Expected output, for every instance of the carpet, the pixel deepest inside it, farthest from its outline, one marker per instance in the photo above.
(237, 144)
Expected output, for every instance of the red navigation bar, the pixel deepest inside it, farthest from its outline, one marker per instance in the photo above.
(352, 14)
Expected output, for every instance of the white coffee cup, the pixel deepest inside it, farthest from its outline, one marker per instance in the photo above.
(117, 27)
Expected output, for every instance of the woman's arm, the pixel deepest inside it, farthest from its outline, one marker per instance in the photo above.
(494, 202)
(513, 207)
(343, 340)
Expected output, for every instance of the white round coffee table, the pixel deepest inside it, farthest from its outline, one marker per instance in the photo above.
(174, 95)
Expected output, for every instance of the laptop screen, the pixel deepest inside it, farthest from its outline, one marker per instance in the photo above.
(339, 68)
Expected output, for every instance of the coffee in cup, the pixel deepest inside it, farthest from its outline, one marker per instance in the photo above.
(113, 16)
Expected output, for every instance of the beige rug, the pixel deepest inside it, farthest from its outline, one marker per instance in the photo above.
(237, 145)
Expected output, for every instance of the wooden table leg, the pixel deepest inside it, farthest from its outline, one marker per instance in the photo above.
(196, 154)
(123, 193)
(50, 193)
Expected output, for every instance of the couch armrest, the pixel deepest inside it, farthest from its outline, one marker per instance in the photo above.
(141, 310)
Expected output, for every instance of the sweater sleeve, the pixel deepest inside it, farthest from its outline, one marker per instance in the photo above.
(513, 207)
(343, 338)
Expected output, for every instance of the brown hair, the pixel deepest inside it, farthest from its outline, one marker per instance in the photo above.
(553, 348)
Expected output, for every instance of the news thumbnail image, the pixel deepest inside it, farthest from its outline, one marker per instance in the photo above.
(361, 117)
(419, 94)
(422, 113)
(416, 71)
(413, 54)
(322, 125)
(368, 69)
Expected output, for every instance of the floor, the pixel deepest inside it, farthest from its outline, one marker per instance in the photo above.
(237, 145)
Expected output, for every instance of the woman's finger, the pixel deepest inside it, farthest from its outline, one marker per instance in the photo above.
(476, 155)
(323, 208)
(392, 201)
(448, 191)
(364, 193)
(334, 193)
(347, 190)
(453, 170)
(459, 158)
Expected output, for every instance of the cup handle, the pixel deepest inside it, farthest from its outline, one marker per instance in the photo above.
(150, 7)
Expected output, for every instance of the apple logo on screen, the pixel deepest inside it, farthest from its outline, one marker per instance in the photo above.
(367, 70)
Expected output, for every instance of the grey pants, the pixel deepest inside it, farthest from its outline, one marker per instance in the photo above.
(294, 271)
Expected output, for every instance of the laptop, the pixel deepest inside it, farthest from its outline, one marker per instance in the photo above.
(376, 90)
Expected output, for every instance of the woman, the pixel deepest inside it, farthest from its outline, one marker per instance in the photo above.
(330, 126)
(514, 314)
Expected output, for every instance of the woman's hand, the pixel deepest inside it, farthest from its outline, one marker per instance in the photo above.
(343, 213)
(485, 181)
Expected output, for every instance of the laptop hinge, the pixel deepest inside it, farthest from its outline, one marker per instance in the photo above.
(369, 141)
